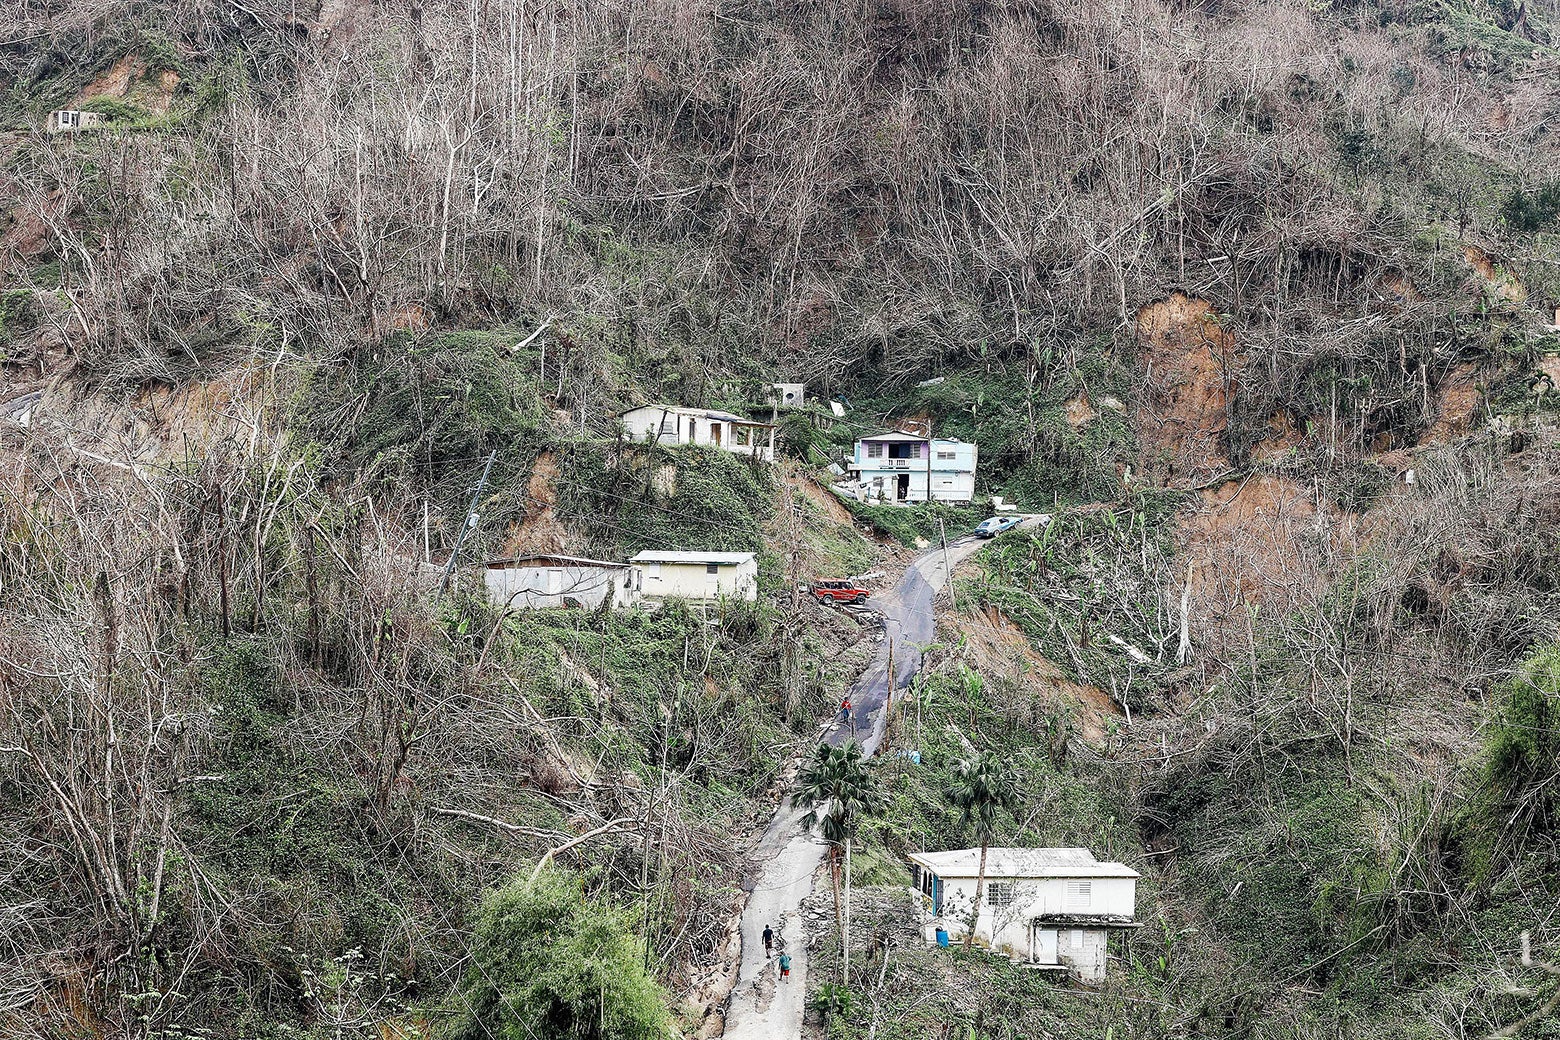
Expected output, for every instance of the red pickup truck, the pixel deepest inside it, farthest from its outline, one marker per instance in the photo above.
(839, 592)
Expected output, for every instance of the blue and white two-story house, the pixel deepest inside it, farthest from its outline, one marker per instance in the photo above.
(907, 467)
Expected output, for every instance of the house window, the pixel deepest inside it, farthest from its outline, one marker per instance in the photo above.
(874, 451)
(712, 568)
(654, 570)
(928, 882)
(1075, 938)
(669, 425)
(1080, 896)
(999, 893)
(742, 436)
(945, 456)
(904, 451)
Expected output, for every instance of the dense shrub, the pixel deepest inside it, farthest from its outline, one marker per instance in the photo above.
(549, 962)
(1524, 746)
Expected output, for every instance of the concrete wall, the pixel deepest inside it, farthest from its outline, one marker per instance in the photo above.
(1010, 928)
(693, 581)
(537, 587)
(951, 469)
(669, 427)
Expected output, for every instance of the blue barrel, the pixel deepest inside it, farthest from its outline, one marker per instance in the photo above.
(942, 937)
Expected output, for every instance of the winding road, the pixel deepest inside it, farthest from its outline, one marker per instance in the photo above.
(788, 855)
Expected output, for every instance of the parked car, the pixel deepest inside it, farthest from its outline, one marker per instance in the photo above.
(995, 525)
(839, 592)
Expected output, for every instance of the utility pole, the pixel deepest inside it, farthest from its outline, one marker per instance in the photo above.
(942, 532)
(471, 521)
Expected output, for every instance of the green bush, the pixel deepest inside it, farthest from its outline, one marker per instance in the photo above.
(18, 315)
(548, 962)
(1535, 211)
(929, 523)
(833, 1001)
(1524, 746)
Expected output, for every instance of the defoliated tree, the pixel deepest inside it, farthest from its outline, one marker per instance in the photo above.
(983, 788)
(547, 963)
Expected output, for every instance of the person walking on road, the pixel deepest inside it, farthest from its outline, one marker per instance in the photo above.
(845, 711)
(769, 942)
(785, 967)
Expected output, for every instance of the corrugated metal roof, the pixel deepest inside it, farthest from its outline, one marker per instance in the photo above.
(900, 435)
(704, 413)
(691, 556)
(1024, 863)
(545, 558)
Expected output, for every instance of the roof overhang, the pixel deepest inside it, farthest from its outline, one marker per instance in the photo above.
(552, 559)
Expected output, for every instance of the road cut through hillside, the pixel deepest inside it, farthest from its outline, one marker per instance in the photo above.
(786, 859)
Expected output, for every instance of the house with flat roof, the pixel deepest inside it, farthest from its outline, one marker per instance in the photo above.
(698, 575)
(1045, 908)
(71, 120)
(910, 467)
(548, 580)
(670, 424)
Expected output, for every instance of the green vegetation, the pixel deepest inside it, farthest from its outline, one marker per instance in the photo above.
(840, 791)
(255, 776)
(547, 961)
(984, 790)
(18, 317)
(919, 525)
(1533, 212)
(1524, 757)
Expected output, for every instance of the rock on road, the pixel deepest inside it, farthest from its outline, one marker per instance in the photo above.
(762, 1007)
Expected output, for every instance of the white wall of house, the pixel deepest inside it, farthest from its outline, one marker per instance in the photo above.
(665, 424)
(1010, 907)
(69, 119)
(703, 580)
(544, 584)
(897, 469)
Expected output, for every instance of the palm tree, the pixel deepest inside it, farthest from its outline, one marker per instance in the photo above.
(983, 787)
(840, 790)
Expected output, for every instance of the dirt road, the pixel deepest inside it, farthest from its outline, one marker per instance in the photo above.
(788, 857)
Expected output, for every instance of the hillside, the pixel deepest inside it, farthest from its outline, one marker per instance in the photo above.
(1257, 301)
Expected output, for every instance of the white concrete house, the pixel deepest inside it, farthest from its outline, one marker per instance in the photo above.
(669, 424)
(900, 467)
(701, 576)
(1047, 908)
(545, 581)
(69, 120)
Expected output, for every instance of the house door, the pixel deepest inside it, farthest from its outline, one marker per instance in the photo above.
(901, 487)
(715, 434)
(1042, 945)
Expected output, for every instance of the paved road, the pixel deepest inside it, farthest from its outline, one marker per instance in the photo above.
(761, 1007)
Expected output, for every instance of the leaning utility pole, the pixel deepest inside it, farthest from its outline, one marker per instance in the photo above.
(471, 521)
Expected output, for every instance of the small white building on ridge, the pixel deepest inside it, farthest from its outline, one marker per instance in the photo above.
(544, 581)
(70, 120)
(1048, 908)
(901, 467)
(670, 424)
(697, 575)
